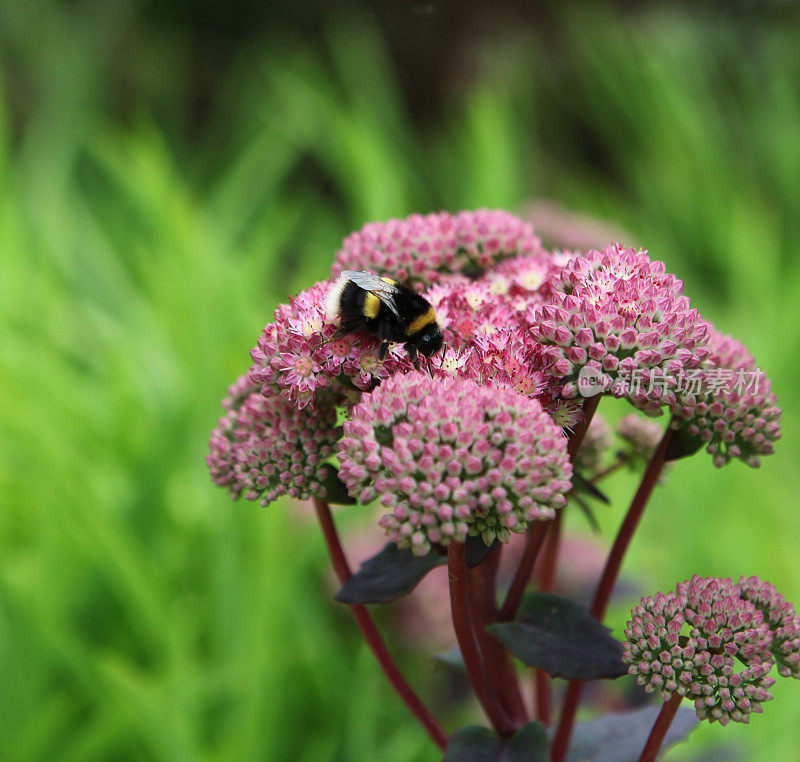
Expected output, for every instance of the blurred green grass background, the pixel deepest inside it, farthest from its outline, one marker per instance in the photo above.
(145, 239)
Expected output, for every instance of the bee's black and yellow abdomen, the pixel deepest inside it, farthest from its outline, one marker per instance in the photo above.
(410, 319)
(361, 309)
(422, 321)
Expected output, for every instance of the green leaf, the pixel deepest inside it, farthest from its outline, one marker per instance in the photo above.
(561, 638)
(621, 737)
(387, 576)
(334, 489)
(477, 551)
(476, 744)
(682, 445)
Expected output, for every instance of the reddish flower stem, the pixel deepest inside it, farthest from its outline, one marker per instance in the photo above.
(569, 708)
(550, 560)
(541, 686)
(660, 728)
(589, 407)
(620, 462)
(605, 587)
(537, 528)
(536, 535)
(496, 658)
(547, 577)
(371, 634)
(459, 606)
(631, 521)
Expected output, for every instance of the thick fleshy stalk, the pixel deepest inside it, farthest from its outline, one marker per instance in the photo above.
(631, 521)
(550, 560)
(536, 536)
(575, 441)
(371, 634)
(496, 658)
(467, 643)
(537, 530)
(660, 728)
(544, 705)
(605, 587)
(619, 463)
(547, 578)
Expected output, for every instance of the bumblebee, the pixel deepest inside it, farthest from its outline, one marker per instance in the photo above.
(390, 310)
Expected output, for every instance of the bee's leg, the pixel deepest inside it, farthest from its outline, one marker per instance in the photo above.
(412, 355)
(351, 325)
(383, 351)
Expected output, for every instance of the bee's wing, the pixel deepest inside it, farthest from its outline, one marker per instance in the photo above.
(375, 285)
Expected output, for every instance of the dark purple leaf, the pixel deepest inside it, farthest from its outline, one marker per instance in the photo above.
(621, 737)
(452, 659)
(561, 638)
(587, 511)
(579, 484)
(476, 744)
(477, 551)
(389, 575)
(530, 744)
(335, 491)
(472, 744)
(682, 445)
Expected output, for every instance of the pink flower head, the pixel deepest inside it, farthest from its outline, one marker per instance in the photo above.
(264, 447)
(641, 437)
(705, 641)
(488, 342)
(301, 353)
(448, 457)
(618, 314)
(730, 406)
(642, 434)
(596, 443)
(782, 619)
(521, 275)
(423, 248)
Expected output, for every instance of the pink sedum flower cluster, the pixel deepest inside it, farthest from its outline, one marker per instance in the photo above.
(423, 248)
(519, 325)
(489, 341)
(620, 315)
(449, 458)
(713, 641)
(265, 447)
(733, 412)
